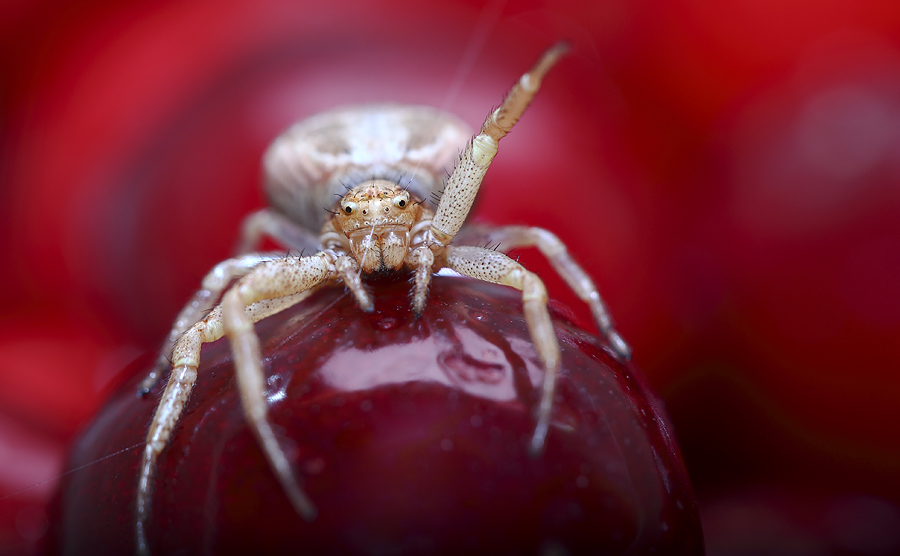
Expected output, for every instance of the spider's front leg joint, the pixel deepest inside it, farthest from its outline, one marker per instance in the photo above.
(437, 239)
(484, 149)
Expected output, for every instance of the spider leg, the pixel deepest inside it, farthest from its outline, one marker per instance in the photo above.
(422, 259)
(271, 280)
(464, 182)
(186, 357)
(269, 223)
(348, 269)
(511, 237)
(211, 288)
(491, 266)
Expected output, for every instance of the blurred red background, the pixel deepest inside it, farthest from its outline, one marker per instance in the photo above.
(728, 172)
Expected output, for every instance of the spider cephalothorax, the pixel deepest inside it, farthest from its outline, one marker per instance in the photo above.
(377, 219)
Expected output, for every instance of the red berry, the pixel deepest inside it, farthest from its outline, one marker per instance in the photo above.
(410, 436)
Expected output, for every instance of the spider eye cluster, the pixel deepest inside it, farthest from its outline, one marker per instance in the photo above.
(399, 200)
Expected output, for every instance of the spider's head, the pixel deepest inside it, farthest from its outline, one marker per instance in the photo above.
(376, 217)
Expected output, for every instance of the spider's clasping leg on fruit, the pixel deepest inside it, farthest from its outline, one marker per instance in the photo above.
(273, 281)
(491, 266)
(512, 237)
(422, 260)
(186, 360)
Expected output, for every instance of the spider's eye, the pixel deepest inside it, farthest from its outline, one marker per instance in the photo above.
(401, 201)
(349, 207)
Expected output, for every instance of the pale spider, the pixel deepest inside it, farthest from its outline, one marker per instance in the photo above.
(378, 225)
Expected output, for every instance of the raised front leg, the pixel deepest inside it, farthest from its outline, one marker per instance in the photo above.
(491, 266)
(511, 237)
(463, 184)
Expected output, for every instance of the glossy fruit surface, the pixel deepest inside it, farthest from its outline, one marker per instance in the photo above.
(410, 436)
